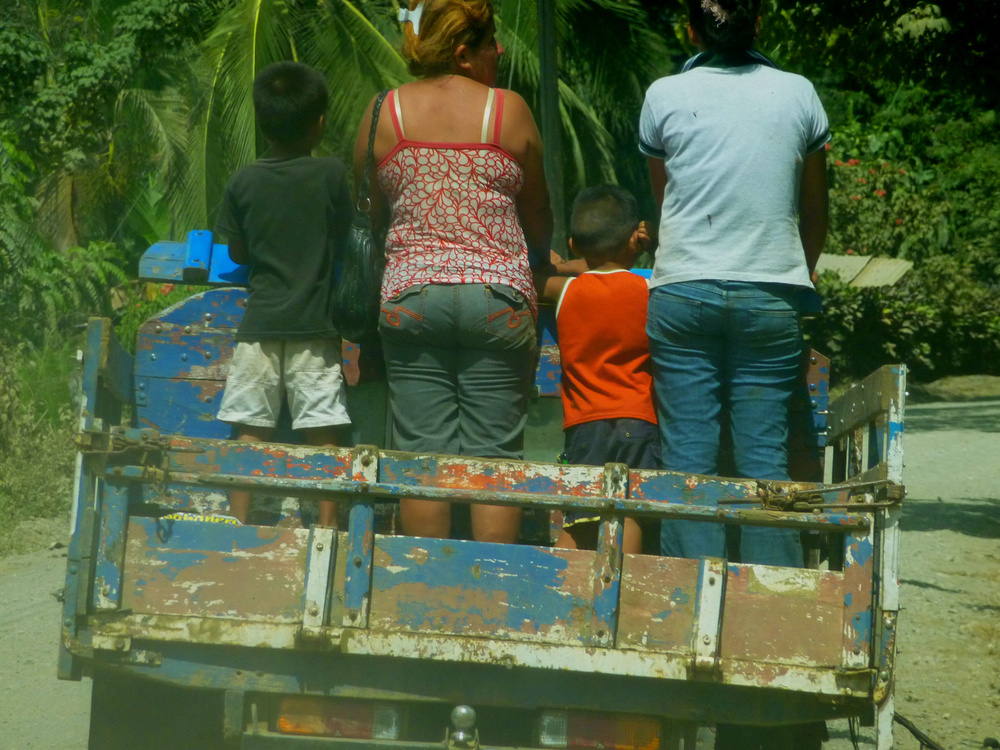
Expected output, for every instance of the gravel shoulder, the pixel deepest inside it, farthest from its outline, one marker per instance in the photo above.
(948, 667)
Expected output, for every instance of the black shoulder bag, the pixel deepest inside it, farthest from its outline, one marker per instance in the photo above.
(357, 297)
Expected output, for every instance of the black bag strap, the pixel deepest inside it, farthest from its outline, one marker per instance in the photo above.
(365, 184)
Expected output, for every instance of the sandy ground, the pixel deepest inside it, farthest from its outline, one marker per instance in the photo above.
(948, 677)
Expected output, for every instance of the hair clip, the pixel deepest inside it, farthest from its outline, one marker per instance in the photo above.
(413, 16)
(719, 13)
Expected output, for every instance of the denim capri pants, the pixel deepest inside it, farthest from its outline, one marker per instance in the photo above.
(460, 360)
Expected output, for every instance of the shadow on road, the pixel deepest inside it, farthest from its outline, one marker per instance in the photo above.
(983, 416)
(926, 585)
(979, 518)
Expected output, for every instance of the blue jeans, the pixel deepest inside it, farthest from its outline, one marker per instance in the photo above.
(460, 359)
(726, 345)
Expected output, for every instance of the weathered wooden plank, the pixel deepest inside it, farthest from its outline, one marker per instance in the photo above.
(783, 616)
(501, 591)
(193, 568)
(656, 611)
(110, 556)
(116, 366)
(214, 309)
(608, 561)
(548, 375)
(181, 407)
(882, 272)
(847, 267)
(494, 475)
(857, 590)
(360, 545)
(257, 459)
(195, 355)
(873, 396)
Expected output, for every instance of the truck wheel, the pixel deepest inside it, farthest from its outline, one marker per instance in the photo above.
(129, 712)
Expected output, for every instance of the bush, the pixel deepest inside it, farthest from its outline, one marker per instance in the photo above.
(915, 176)
(36, 437)
(939, 320)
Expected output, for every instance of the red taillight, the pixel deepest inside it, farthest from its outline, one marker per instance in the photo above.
(579, 729)
(353, 719)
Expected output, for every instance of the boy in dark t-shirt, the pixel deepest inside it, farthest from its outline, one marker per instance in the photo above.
(285, 216)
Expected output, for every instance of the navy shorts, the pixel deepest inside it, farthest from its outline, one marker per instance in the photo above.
(634, 442)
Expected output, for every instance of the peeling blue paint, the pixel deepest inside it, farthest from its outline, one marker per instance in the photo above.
(528, 579)
(861, 549)
(679, 598)
(862, 624)
(170, 534)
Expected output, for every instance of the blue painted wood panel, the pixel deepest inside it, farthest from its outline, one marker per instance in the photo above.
(478, 589)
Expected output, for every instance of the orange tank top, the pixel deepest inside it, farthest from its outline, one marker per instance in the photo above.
(606, 368)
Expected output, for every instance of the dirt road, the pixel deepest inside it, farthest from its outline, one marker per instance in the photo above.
(948, 679)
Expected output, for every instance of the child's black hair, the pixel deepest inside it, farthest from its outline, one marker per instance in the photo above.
(725, 25)
(603, 220)
(288, 98)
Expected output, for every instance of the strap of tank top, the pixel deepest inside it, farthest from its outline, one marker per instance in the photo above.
(397, 115)
(498, 119)
(486, 115)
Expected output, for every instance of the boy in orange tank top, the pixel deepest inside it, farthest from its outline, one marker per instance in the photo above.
(607, 383)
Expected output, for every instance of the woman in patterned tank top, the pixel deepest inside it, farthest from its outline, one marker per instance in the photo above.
(461, 195)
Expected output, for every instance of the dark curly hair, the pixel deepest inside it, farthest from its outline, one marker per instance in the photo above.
(725, 25)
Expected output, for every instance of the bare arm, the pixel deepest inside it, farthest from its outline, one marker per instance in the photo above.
(520, 137)
(814, 211)
(658, 179)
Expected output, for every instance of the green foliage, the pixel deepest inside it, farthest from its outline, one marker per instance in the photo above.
(18, 238)
(139, 301)
(56, 290)
(41, 289)
(69, 66)
(881, 209)
(937, 159)
(939, 320)
(36, 439)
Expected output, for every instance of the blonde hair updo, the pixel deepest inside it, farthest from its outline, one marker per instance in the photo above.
(444, 25)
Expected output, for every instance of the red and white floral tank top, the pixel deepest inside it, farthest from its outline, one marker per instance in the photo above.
(454, 217)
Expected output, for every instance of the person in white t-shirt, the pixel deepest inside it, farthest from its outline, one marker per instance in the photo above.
(736, 152)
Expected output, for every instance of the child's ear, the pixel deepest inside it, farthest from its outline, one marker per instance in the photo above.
(572, 250)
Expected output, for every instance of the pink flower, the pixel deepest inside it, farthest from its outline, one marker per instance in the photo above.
(880, 193)
(855, 197)
(902, 171)
(849, 251)
(853, 162)
(871, 171)
(839, 163)
(166, 288)
(862, 181)
(827, 146)
(898, 222)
